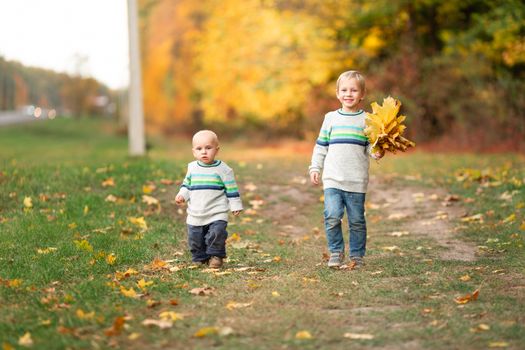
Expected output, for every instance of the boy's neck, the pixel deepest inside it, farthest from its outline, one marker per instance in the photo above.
(351, 110)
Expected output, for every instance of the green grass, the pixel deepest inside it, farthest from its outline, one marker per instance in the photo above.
(54, 265)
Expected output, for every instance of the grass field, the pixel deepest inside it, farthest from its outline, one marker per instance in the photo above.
(93, 250)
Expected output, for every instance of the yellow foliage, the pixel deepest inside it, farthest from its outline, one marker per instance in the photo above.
(384, 128)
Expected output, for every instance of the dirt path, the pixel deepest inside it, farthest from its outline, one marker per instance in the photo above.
(412, 210)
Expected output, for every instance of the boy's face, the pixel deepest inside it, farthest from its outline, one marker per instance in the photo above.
(205, 148)
(350, 94)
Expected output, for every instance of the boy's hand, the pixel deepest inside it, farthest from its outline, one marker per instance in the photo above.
(179, 199)
(378, 155)
(314, 177)
(236, 212)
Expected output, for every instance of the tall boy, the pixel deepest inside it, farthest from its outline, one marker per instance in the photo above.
(342, 152)
(211, 192)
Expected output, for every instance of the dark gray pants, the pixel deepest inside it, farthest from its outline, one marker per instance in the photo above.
(208, 240)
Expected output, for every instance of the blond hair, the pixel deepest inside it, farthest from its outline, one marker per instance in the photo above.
(352, 74)
(206, 133)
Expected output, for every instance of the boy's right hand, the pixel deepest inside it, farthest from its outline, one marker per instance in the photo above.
(179, 199)
(314, 177)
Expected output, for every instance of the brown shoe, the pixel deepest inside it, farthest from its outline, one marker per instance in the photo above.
(215, 262)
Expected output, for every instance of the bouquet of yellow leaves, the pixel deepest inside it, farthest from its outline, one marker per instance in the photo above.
(384, 128)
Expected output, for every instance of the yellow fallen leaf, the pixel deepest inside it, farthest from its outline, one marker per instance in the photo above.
(358, 336)
(7, 346)
(467, 298)
(142, 284)
(276, 294)
(206, 331)
(140, 222)
(25, 340)
(498, 344)
(85, 316)
(522, 226)
(134, 336)
(170, 315)
(234, 305)
(162, 324)
(465, 278)
(83, 245)
(509, 219)
(28, 202)
(46, 250)
(148, 188)
(149, 200)
(111, 258)
(86, 210)
(130, 293)
(303, 335)
(109, 182)
(110, 198)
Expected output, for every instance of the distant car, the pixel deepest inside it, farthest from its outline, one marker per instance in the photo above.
(27, 110)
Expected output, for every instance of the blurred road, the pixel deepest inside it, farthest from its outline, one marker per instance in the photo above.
(15, 117)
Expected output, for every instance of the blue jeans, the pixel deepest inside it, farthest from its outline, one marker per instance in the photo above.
(335, 202)
(208, 240)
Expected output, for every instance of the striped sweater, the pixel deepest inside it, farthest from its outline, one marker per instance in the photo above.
(210, 191)
(342, 152)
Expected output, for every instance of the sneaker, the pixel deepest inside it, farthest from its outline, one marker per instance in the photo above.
(356, 262)
(215, 262)
(336, 259)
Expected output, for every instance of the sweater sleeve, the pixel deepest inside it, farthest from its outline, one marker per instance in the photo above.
(185, 187)
(321, 147)
(231, 189)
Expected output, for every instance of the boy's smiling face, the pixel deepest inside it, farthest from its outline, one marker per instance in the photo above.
(350, 94)
(205, 147)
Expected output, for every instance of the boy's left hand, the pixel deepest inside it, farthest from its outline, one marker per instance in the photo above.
(236, 212)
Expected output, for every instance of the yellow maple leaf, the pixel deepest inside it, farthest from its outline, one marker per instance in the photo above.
(148, 188)
(111, 258)
(384, 128)
(140, 222)
(142, 284)
(149, 200)
(83, 245)
(303, 335)
(85, 315)
(206, 331)
(109, 182)
(28, 202)
(25, 340)
(170, 315)
(130, 293)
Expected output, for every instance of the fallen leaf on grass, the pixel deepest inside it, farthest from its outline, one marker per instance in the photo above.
(391, 248)
(170, 315)
(234, 305)
(207, 331)
(498, 344)
(46, 250)
(204, 291)
(303, 335)
(142, 284)
(149, 200)
(162, 324)
(28, 203)
(465, 278)
(116, 328)
(130, 293)
(358, 336)
(25, 340)
(482, 327)
(139, 222)
(473, 218)
(399, 233)
(397, 216)
(109, 182)
(467, 298)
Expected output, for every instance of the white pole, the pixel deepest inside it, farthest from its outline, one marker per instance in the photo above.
(136, 117)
